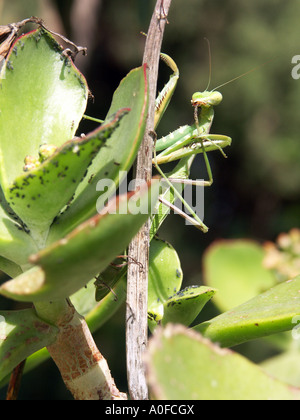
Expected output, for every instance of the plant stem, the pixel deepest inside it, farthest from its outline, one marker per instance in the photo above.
(137, 279)
(83, 368)
(15, 382)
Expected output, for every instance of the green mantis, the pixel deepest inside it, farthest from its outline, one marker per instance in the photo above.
(184, 143)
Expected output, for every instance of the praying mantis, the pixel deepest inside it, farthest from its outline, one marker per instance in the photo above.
(185, 143)
(182, 145)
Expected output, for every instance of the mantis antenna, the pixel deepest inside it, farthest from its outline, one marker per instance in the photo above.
(209, 57)
(242, 75)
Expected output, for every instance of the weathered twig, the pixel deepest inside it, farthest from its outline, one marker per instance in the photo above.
(137, 280)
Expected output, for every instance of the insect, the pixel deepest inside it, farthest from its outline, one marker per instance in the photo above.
(183, 145)
(186, 142)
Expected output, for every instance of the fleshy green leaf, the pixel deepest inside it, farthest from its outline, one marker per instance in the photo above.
(166, 302)
(269, 313)
(182, 365)
(42, 100)
(39, 195)
(235, 269)
(107, 307)
(114, 161)
(22, 333)
(15, 244)
(10, 268)
(186, 305)
(107, 280)
(285, 367)
(165, 277)
(97, 313)
(68, 264)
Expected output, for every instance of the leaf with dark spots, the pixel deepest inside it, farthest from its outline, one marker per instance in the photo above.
(115, 160)
(186, 305)
(22, 333)
(68, 264)
(49, 107)
(49, 187)
(15, 243)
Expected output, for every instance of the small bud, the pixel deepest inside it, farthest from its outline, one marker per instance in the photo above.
(46, 151)
(31, 162)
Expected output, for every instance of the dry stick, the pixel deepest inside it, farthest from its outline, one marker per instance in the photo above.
(137, 280)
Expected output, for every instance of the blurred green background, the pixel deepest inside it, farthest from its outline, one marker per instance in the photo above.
(256, 193)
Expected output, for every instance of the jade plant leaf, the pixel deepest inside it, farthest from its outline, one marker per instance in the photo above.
(108, 279)
(15, 244)
(166, 302)
(165, 277)
(271, 312)
(113, 161)
(43, 97)
(97, 313)
(285, 367)
(182, 365)
(39, 195)
(186, 304)
(9, 267)
(22, 333)
(68, 264)
(235, 269)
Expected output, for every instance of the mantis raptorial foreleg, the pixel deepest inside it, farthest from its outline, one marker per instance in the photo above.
(166, 94)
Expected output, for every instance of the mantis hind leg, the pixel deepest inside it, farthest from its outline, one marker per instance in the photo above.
(193, 219)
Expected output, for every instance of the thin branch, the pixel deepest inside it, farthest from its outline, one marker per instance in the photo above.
(137, 280)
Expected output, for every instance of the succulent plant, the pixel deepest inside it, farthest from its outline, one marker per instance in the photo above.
(52, 239)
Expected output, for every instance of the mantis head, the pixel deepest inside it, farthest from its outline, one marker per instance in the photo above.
(206, 99)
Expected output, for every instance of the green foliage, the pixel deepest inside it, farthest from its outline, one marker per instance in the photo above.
(235, 269)
(166, 302)
(112, 162)
(263, 171)
(182, 365)
(44, 171)
(66, 265)
(21, 334)
(59, 96)
(269, 313)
